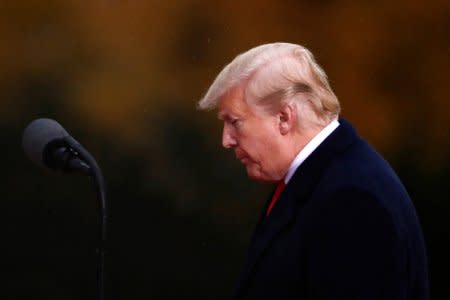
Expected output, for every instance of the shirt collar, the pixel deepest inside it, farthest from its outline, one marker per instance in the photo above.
(309, 148)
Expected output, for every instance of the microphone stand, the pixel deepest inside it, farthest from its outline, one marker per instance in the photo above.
(93, 170)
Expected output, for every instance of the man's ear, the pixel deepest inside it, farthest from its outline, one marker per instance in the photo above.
(287, 118)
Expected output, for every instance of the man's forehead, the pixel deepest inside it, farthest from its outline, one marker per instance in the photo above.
(229, 105)
(226, 109)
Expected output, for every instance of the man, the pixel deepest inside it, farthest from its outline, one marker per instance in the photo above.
(339, 224)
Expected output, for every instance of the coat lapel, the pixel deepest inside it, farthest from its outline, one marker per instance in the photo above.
(296, 193)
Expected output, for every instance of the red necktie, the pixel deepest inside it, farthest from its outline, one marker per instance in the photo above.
(280, 187)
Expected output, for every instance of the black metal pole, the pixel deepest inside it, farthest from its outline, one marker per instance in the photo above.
(101, 195)
(95, 172)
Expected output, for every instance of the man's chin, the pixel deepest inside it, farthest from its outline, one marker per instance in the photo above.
(258, 175)
(251, 173)
(254, 174)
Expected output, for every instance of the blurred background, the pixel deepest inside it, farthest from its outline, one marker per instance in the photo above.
(123, 77)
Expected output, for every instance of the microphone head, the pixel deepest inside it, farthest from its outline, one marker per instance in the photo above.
(37, 135)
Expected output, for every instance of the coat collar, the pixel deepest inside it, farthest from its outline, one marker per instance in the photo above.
(296, 193)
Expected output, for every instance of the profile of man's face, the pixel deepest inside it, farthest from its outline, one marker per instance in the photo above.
(252, 134)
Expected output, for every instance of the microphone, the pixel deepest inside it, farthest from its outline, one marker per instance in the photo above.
(50, 146)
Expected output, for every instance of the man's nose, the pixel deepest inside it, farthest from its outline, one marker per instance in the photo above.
(228, 139)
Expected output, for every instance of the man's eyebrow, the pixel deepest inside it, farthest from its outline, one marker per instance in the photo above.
(222, 115)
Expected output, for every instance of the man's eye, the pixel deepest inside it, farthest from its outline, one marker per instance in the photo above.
(234, 122)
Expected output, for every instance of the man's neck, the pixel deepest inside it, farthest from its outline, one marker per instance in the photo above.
(309, 148)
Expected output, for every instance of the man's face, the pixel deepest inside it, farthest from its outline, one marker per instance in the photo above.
(254, 135)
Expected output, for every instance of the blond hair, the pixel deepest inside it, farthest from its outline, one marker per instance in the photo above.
(276, 73)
